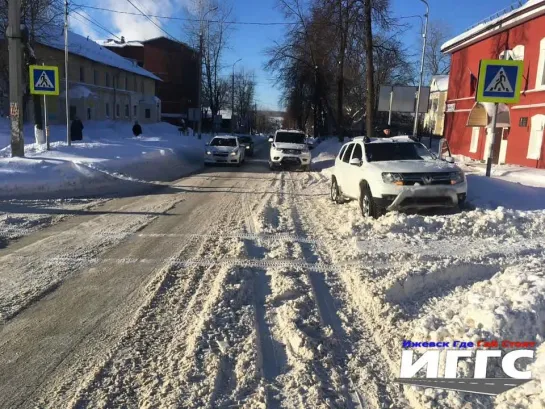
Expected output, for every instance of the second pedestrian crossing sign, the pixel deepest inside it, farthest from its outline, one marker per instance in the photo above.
(500, 81)
(44, 80)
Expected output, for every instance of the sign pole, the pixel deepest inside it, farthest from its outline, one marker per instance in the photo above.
(493, 124)
(68, 139)
(390, 109)
(45, 122)
(491, 152)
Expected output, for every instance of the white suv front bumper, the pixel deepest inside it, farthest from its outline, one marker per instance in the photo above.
(421, 197)
(280, 158)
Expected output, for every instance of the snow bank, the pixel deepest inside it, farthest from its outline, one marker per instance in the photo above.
(108, 160)
(323, 156)
(436, 276)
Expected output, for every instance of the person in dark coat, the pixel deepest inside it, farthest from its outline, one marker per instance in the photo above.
(137, 129)
(76, 129)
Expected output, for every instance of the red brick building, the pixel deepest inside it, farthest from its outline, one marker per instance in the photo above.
(519, 135)
(175, 63)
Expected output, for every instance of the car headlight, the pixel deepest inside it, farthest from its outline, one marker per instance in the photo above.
(208, 153)
(234, 153)
(393, 178)
(247, 146)
(456, 177)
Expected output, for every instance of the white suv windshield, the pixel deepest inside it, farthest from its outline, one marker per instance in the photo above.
(290, 137)
(380, 152)
(223, 142)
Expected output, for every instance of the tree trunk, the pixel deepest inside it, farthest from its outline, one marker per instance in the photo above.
(340, 82)
(370, 100)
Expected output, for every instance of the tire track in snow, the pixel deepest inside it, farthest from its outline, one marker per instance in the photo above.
(270, 356)
(366, 362)
(326, 307)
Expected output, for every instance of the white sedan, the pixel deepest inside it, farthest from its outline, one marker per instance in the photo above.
(224, 149)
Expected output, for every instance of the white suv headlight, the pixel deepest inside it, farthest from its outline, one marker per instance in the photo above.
(234, 153)
(392, 178)
(208, 152)
(456, 177)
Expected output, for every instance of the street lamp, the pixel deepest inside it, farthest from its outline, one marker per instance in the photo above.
(233, 98)
(200, 69)
(427, 15)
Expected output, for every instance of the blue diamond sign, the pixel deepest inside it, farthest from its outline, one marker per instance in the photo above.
(500, 81)
(44, 80)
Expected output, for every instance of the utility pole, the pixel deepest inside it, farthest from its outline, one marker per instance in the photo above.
(199, 126)
(425, 35)
(15, 78)
(233, 99)
(66, 101)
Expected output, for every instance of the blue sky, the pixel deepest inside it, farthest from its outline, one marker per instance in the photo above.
(249, 42)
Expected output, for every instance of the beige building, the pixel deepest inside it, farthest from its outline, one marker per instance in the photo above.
(102, 85)
(434, 120)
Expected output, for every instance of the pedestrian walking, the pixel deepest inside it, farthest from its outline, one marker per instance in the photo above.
(76, 129)
(137, 129)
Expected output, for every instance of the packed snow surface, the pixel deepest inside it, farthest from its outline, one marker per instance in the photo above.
(249, 288)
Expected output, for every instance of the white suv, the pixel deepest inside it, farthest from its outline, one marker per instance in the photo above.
(396, 174)
(289, 149)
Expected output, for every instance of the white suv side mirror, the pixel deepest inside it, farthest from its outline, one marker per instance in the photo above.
(355, 162)
(271, 140)
(449, 159)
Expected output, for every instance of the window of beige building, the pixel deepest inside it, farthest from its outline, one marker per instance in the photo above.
(142, 86)
(126, 110)
(107, 110)
(135, 111)
(126, 82)
(107, 79)
(82, 73)
(117, 110)
(95, 77)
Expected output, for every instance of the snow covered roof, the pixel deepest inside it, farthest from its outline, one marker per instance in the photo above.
(531, 9)
(87, 48)
(113, 43)
(439, 83)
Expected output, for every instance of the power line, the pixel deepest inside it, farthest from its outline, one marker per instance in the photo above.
(94, 22)
(248, 23)
(150, 19)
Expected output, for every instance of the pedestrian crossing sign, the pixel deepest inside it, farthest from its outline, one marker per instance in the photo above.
(500, 81)
(44, 80)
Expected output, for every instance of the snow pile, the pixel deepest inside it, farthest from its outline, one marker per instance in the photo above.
(509, 306)
(108, 160)
(323, 156)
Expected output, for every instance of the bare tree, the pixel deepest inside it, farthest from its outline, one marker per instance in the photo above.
(213, 25)
(437, 63)
(244, 98)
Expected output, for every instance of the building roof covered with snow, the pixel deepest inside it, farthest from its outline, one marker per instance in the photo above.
(439, 83)
(110, 42)
(91, 50)
(500, 21)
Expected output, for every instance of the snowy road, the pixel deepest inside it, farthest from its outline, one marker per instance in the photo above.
(245, 288)
(209, 293)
